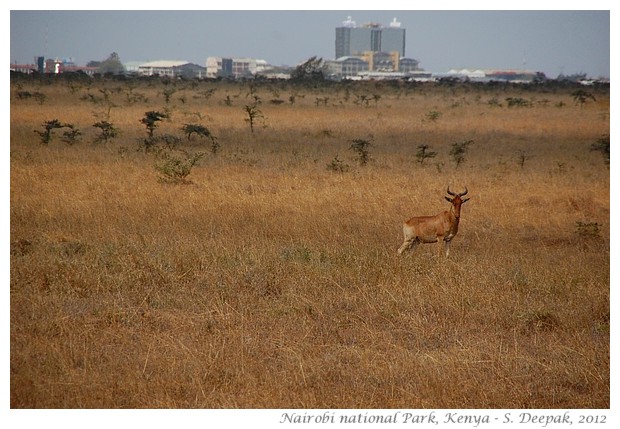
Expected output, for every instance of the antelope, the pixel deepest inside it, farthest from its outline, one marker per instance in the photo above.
(434, 229)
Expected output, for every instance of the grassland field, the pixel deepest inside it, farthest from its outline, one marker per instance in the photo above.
(268, 276)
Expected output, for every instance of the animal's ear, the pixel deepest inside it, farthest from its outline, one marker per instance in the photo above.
(464, 200)
(448, 199)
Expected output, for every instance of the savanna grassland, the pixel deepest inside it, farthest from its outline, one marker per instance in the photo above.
(267, 276)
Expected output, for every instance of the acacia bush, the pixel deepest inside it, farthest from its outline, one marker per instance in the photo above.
(458, 151)
(174, 167)
(49, 126)
(602, 146)
(362, 149)
(107, 131)
(423, 153)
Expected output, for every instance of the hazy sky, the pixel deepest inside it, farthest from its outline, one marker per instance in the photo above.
(553, 42)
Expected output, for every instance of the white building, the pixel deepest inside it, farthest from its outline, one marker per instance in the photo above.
(235, 67)
(486, 75)
(467, 73)
(376, 64)
(346, 67)
(161, 68)
(132, 67)
(171, 69)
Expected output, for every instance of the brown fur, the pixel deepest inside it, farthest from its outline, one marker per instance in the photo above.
(434, 229)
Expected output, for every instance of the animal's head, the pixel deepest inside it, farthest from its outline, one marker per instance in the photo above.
(457, 201)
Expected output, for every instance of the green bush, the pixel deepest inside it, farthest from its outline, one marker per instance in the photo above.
(174, 169)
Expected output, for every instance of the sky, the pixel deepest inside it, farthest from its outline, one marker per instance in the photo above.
(552, 41)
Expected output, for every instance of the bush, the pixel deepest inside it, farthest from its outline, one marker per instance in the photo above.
(361, 147)
(338, 165)
(72, 135)
(254, 113)
(433, 115)
(588, 229)
(602, 146)
(518, 102)
(46, 136)
(150, 120)
(423, 154)
(108, 131)
(174, 169)
(201, 131)
(458, 151)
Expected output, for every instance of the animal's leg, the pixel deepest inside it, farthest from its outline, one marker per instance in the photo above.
(447, 248)
(440, 245)
(407, 244)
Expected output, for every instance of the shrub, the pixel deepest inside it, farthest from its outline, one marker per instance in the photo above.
(254, 114)
(40, 97)
(199, 130)
(174, 169)
(338, 165)
(588, 229)
(518, 102)
(168, 92)
(72, 135)
(361, 148)
(150, 120)
(46, 136)
(423, 153)
(458, 151)
(602, 146)
(581, 97)
(22, 95)
(108, 131)
(433, 115)
(522, 156)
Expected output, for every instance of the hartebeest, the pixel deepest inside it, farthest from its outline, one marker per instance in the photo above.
(434, 229)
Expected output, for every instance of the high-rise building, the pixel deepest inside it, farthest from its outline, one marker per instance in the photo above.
(352, 40)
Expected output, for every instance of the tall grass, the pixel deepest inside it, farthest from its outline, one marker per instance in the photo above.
(271, 281)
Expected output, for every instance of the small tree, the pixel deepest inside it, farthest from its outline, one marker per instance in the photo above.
(312, 70)
(202, 131)
(199, 130)
(581, 97)
(588, 229)
(338, 165)
(46, 136)
(254, 113)
(433, 115)
(112, 64)
(362, 148)
(150, 120)
(518, 102)
(423, 153)
(458, 151)
(40, 97)
(108, 131)
(168, 92)
(361, 100)
(72, 135)
(174, 169)
(522, 156)
(602, 146)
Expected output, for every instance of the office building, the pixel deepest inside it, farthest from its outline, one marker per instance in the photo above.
(352, 40)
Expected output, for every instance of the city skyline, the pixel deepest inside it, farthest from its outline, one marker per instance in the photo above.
(552, 42)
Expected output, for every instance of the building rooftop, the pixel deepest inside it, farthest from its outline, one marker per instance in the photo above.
(164, 63)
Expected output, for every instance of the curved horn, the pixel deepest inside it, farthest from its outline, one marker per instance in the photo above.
(449, 192)
(463, 193)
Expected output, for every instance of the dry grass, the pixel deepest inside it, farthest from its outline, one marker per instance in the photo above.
(270, 281)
